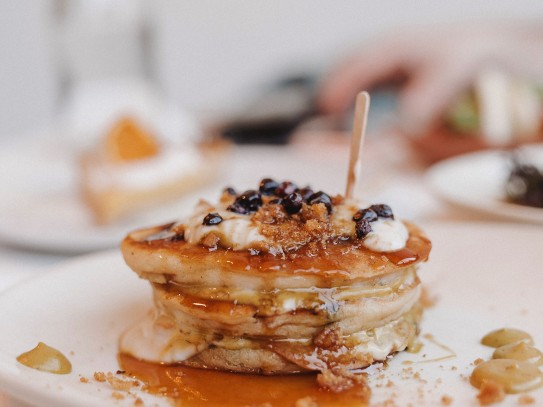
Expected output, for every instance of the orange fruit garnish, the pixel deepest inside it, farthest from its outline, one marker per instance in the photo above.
(129, 142)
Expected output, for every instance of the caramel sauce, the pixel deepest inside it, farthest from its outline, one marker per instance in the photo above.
(403, 257)
(514, 364)
(418, 346)
(414, 345)
(190, 387)
(512, 375)
(209, 306)
(46, 359)
(520, 351)
(506, 336)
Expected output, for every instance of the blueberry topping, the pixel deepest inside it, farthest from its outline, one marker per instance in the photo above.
(365, 214)
(285, 188)
(247, 202)
(268, 186)
(236, 207)
(177, 238)
(362, 227)
(382, 210)
(293, 203)
(321, 197)
(212, 219)
(306, 193)
(229, 191)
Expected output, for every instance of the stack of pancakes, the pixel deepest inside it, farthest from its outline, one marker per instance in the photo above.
(252, 311)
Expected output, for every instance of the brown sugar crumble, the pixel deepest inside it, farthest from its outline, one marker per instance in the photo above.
(312, 224)
(122, 387)
(340, 381)
(490, 393)
(211, 241)
(117, 395)
(446, 400)
(120, 384)
(100, 377)
(525, 400)
(477, 361)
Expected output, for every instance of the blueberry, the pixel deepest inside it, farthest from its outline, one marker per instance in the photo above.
(382, 210)
(285, 188)
(177, 238)
(321, 197)
(251, 199)
(236, 207)
(268, 186)
(212, 219)
(365, 214)
(306, 193)
(229, 191)
(293, 203)
(247, 202)
(362, 227)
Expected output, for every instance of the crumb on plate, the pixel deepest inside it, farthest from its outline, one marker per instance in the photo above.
(490, 393)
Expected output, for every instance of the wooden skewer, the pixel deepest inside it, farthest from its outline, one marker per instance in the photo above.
(359, 130)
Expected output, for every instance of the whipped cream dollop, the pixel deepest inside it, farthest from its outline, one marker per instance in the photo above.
(242, 232)
(237, 231)
(387, 235)
(157, 338)
(166, 166)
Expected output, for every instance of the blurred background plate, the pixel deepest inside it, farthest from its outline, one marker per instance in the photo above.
(42, 208)
(477, 182)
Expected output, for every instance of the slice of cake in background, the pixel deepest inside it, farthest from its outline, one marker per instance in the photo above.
(131, 170)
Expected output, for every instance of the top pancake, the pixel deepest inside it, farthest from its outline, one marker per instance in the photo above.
(341, 263)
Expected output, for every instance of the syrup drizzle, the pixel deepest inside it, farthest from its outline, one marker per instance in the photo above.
(190, 387)
(430, 338)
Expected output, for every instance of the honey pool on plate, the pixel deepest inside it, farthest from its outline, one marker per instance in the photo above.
(191, 387)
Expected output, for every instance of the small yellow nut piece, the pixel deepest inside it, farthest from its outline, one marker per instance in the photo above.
(506, 336)
(512, 375)
(46, 359)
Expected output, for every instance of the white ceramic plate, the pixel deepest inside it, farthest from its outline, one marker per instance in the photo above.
(41, 205)
(484, 277)
(477, 182)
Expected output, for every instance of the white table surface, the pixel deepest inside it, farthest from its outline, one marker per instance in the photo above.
(390, 174)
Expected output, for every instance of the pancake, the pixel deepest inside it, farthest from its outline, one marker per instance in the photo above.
(156, 254)
(278, 282)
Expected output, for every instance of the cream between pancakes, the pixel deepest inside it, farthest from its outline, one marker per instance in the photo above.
(160, 337)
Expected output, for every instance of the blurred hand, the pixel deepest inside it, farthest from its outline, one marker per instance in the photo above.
(437, 63)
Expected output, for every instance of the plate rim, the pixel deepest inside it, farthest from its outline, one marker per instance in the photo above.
(501, 210)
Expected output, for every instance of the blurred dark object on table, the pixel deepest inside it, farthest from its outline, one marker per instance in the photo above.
(290, 104)
(274, 114)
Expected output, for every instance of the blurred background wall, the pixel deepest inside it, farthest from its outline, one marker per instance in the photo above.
(205, 55)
